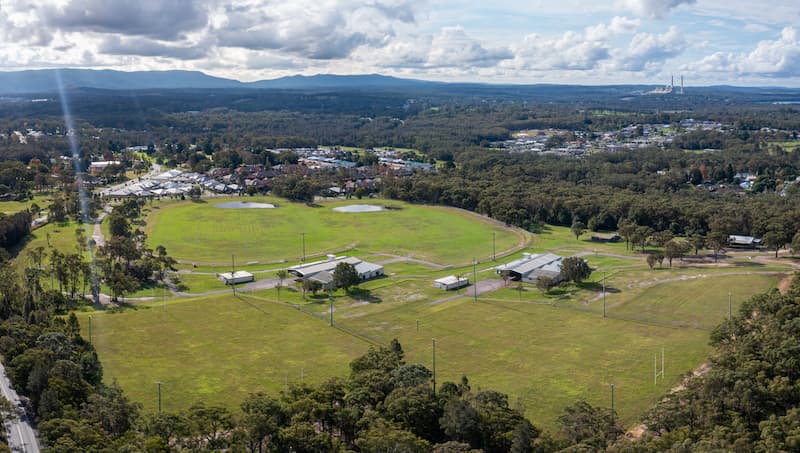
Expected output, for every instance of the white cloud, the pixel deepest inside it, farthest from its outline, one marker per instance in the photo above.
(647, 52)
(453, 47)
(756, 28)
(312, 29)
(654, 9)
(778, 58)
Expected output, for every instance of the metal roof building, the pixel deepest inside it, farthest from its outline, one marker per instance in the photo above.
(532, 266)
(236, 277)
(364, 269)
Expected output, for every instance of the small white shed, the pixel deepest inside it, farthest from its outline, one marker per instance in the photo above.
(236, 278)
(451, 282)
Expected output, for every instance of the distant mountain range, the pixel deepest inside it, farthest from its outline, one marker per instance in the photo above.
(45, 81)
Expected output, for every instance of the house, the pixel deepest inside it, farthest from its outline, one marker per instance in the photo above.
(532, 266)
(451, 282)
(735, 240)
(98, 167)
(236, 277)
(322, 271)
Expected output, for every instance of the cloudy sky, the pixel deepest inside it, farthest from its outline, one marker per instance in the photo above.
(510, 41)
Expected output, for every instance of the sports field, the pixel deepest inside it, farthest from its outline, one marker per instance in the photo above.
(546, 356)
(204, 234)
(215, 349)
(546, 351)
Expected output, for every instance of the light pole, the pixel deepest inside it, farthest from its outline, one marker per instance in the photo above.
(730, 306)
(303, 241)
(612, 404)
(158, 383)
(475, 279)
(494, 248)
(233, 273)
(604, 294)
(433, 341)
(330, 298)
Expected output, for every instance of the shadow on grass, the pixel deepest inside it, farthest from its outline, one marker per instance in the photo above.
(748, 264)
(597, 287)
(364, 295)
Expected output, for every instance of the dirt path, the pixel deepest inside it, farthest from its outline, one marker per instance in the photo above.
(484, 286)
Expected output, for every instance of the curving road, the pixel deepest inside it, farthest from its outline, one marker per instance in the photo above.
(21, 436)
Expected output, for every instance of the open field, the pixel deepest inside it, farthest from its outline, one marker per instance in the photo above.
(202, 233)
(547, 351)
(216, 349)
(11, 207)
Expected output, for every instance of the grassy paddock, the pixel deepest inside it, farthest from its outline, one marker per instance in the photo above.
(215, 349)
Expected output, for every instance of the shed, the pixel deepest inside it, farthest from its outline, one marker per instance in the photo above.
(236, 277)
(451, 282)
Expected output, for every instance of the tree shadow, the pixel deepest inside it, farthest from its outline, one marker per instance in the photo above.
(597, 287)
(364, 295)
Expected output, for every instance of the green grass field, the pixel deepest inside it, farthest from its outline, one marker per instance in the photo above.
(542, 352)
(11, 207)
(202, 233)
(217, 350)
(546, 351)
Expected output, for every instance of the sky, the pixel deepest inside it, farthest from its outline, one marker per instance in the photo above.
(709, 42)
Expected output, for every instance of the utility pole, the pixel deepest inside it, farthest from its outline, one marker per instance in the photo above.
(233, 278)
(475, 278)
(433, 341)
(158, 383)
(604, 294)
(730, 306)
(303, 239)
(612, 404)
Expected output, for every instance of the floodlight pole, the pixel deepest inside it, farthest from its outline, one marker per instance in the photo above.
(604, 294)
(158, 383)
(612, 404)
(475, 279)
(433, 341)
(730, 305)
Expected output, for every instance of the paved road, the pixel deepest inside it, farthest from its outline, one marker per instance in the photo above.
(21, 437)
